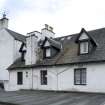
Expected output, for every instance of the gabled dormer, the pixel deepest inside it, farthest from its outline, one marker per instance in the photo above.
(50, 47)
(85, 42)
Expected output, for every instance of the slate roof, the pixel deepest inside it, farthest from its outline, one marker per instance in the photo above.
(90, 37)
(53, 42)
(16, 35)
(69, 52)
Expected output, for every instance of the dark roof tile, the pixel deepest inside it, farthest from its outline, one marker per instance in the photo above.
(16, 35)
(69, 52)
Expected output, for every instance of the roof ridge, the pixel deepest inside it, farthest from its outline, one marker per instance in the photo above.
(15, 32)
(79, 32)
(96, 29)
(66, 36)
(16, 35)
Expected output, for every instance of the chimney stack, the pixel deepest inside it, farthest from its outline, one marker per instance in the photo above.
(32, 47)
(48, 27)
(47, 32)
(4, 21)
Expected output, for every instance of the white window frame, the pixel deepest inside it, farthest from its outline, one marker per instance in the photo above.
(84, 47)
(48, 52)
(80, 76)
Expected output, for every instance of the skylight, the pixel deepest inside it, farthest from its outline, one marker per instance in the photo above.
(69, 37)
(62, 38)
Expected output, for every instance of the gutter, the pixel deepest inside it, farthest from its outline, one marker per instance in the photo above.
(7, 103)
(33, 66)
(31, 62)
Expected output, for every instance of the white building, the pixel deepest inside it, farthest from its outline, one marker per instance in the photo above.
(10, 43)
(70, 63)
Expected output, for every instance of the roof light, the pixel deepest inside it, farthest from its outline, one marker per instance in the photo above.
(69, 37)
(62, 38)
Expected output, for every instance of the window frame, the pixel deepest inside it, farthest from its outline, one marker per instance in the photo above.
(83, 41)
(45, 49)
(81, 78)
(48, 48)
(43, 78)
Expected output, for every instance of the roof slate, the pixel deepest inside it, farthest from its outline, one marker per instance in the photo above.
(16, 35)
(69, 52)
(53, 42)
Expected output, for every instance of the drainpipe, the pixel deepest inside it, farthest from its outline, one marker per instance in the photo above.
(59, 74)
(32, 78)
(31, 62)
(57, 81)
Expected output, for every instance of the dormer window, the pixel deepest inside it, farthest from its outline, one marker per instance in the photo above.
(84, 47)
(47, 52)
(84, 42)
(50, 48)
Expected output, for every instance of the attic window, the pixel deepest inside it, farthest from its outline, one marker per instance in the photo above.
(84, 47)
(69, 37)
(62, 39)
(48, 52)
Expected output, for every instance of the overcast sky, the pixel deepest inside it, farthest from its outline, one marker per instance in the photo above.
(65, 16)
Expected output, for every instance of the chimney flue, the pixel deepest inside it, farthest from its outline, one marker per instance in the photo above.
(4, 21)
(48, 27)
(4, 15)
(47, 32)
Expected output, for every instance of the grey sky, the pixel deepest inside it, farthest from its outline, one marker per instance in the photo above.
(66, 16)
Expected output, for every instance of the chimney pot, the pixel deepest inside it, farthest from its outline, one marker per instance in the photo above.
(4, 15)
(46, 26)
(4, 21)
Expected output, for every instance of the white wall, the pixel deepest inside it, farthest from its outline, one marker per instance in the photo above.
(47, 33)
(95, 79)
(47, 44)
(16, 47)
(9, 51)
(62, 78)
(38, 34)
(83, 36)
(32, 48)
(6, 53)
(51, 77)
(27, 81)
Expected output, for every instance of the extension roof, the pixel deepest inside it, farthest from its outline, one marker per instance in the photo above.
(69, 52)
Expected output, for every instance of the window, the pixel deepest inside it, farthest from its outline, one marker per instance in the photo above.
(83, 47)
(19, 78)
(48, 52)
(43, 74)
(62, 38)
(80, 76)
(69, 37)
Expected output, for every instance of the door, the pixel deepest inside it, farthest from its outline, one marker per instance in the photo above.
(19, 78)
